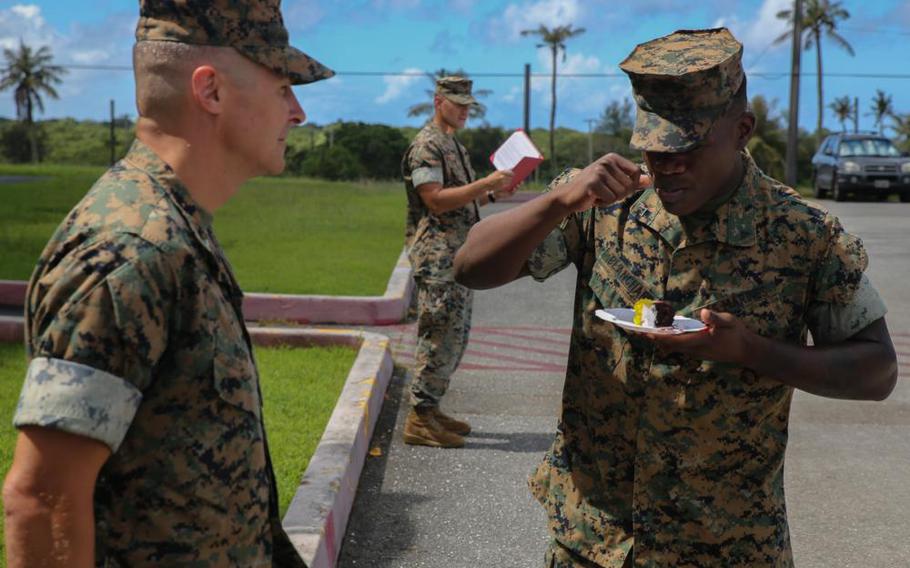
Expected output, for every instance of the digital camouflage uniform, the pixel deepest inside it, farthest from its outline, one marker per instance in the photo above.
(136, 339)
(443, 306)
(663, 460)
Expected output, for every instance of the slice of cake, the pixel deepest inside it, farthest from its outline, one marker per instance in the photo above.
(653, 313)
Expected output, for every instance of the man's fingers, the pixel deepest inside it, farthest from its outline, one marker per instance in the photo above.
(644, 180)
(717, 319)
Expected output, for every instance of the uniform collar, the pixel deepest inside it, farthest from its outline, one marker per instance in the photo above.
(733, 222)
(142, 157)
(431, 124)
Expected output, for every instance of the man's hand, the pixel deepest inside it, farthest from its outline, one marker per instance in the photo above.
(605, 181)
(499, 181)
(725, 340)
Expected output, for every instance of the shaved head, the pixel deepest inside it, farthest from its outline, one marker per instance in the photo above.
(163, 72)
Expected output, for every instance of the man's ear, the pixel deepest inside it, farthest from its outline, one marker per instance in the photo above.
(205, 85)
(744, 129)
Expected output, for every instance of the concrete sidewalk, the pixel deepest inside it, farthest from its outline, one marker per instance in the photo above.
(847, 463)
(470, 507)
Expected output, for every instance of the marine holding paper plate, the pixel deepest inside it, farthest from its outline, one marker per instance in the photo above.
(670, 447)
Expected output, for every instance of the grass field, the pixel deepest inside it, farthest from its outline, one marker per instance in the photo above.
(283, 235)
(299, 389)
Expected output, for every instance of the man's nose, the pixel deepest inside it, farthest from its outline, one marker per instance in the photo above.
(298, 116)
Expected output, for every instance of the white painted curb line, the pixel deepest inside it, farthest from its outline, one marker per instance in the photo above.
(391, 307)
(318, 515)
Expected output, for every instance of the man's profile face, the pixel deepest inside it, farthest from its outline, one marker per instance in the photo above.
(685, 181)
(261, 109)
(454, 115)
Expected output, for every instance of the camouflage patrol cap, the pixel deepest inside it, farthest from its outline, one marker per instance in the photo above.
(456, 89)
(683, 83)
(255, 28)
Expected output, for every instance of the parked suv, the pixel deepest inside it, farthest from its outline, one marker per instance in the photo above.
(860, 164)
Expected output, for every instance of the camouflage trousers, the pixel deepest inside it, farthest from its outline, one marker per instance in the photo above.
(443, 326)
(558, 556)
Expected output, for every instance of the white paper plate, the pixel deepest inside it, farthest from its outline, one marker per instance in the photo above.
(622, 317)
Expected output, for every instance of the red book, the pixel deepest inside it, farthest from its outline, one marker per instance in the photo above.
(518, 154)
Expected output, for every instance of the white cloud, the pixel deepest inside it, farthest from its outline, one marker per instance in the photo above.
(24, 21)
(28, 11)
(530, 15)
(397, 85)
(90, 56)
(303, 15)
(758, 33)
(580, 94)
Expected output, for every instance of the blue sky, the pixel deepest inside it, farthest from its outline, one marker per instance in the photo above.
(481, 37)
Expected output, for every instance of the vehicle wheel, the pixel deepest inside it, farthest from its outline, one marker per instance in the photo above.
(905, 197)
(837, 191)
(817, 188)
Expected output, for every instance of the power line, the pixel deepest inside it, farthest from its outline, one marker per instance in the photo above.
(759, 74)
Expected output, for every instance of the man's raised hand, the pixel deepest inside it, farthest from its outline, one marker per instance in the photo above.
(606, 180)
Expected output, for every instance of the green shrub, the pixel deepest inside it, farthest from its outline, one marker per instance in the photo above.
(335, 163)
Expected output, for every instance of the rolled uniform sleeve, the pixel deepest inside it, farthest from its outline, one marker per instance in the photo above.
(562, 245)
(425, 163)
(844, 300)
(95, 338)
(425, 174)
(832, 323)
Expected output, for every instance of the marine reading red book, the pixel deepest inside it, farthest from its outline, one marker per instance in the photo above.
(518, 154)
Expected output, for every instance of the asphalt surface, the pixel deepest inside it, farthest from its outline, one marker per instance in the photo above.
(847, 468)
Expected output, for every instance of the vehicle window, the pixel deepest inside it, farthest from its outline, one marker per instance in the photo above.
(868, 147)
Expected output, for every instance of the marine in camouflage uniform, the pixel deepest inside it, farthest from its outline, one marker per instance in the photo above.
(662, 459)
(137, 340)
(432, 239)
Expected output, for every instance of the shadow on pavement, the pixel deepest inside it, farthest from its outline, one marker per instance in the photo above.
(368, 543)
(519, 442)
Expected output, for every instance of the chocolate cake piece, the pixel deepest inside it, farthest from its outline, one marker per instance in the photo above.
(664, 314)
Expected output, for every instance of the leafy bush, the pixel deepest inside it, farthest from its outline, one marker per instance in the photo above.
(335, 163)
(377, 147)
(481, 143)
(15, 145)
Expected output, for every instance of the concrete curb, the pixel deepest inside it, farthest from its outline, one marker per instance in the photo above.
(318, 515)
(387, 309)
(12, 329)
(12, 292)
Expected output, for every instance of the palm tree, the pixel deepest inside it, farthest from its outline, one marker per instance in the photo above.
(30, 73)
(881, 108)
(818, 16)
(426, 108)
(555, 39)
(843, 109)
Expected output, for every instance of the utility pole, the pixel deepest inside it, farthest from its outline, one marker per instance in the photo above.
(855, 115)
(113, 136)
(590, 122)
(527, 120)
(793, 126)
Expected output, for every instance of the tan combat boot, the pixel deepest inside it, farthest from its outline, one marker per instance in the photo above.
(422, 429)
(460, 427)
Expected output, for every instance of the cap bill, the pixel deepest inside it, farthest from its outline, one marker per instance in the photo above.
(288, 62)
(654, 133)
(303, 69)
(461, 99)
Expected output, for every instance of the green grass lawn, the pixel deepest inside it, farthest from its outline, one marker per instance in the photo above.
(283, 235)
(299, 389)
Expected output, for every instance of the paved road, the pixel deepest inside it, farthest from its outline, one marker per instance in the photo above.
(847, 465)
